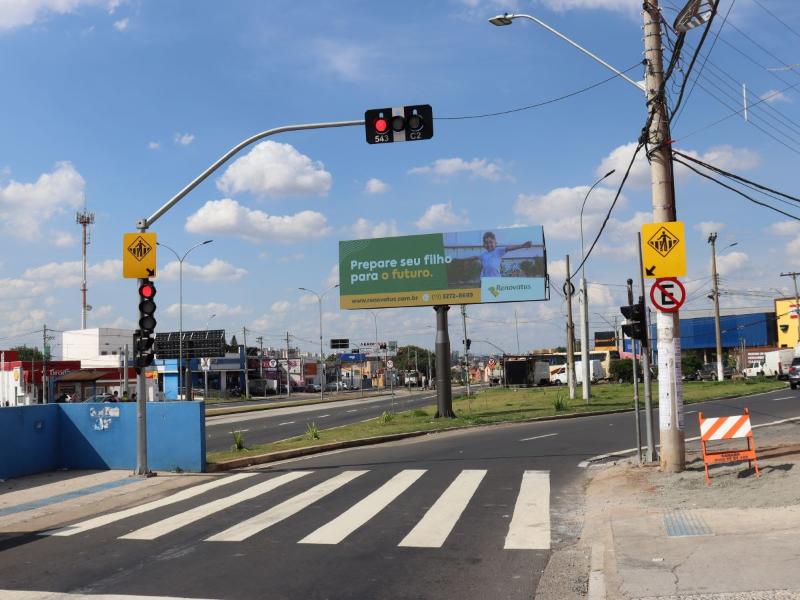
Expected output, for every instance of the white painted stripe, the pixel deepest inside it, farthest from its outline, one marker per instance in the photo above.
(782, 398)
(433, 529)
(538, 437)
(276, 514)
(707, 424)
(286, 423)
(170, 524)
(530, 524)
(323, 416)
(354, 410)
(727, 425)
(335, 531)
(29, 595)
(137, 510)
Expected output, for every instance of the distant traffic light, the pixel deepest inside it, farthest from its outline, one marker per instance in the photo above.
(469, 343)
(400, 124)
(143, 341)
(635, 326)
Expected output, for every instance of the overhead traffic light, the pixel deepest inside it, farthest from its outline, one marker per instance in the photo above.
(142, 339)
(635, 326)
(399, 124)
(468, 343)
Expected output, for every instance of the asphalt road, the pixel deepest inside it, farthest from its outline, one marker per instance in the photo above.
(260, 427)
(468, 514)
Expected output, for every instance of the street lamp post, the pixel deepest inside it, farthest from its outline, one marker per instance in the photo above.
(209, 320)
(321, 354)
(712, 239)
(180, 306)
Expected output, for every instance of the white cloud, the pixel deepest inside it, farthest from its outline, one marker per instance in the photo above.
(281, 306)
(24, 206)
(19, 13)
(724, 156)
(476, 168)
(102, 311)
(785, 228)
(771, 96)
(203, 311)
(731, 262)
(62, 239)
(292, 257)
(119, 323)
(13, 289)
(308, 299)
(441, 215)
(599, 296)
(706, 228)
(333, 276)
(228, 217)
(376, 186)
(274, 169)
(215, 270)
(559, 211)
(344, 59)
(153, 145)
(183, 139)
(122, 24)
(626, 6)
(364, 228)
(70, 274)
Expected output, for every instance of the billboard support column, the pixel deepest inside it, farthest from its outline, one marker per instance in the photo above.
(444, 394)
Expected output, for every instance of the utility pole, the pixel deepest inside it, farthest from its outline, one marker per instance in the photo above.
(712, 239)
(288, 382)
(796, 311)
(84, 219)
(430, 373)
(516, 326)
(585, 361)
(125, 372)
(648, 396)
(466, 347)
(45, 377)
(568, 289)
(246, 370)
(670, 402)
(260, 340)
(416, 366)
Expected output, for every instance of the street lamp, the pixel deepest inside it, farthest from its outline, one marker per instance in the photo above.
(209, 320)
(321, 354)
(180, 305)
(712, 239)
(507, 18)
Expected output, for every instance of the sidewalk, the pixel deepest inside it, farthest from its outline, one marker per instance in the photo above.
(665, 536)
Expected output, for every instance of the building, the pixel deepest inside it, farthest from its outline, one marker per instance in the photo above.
(786, 316)
(101, 347)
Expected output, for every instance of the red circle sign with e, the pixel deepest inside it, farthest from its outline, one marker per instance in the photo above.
(668, 294)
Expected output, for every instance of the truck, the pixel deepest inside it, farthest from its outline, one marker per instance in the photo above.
(559, 375)
(775, 363)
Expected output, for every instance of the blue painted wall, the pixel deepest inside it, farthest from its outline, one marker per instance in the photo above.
(756, 329)
(28, 439)
(41, 438)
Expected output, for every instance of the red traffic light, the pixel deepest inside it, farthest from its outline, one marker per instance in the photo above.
(147, 290)
(381, 125)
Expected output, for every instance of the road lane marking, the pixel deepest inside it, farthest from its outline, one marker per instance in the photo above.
(335, 531)
(286, 423)
(433, 529)
(284, 510)
(170, 524)
(783, 398)
(239, 430)
(323, 416)
(530, 524)
(538, 437)
(354, 410)
(136, 510)
(29, 595)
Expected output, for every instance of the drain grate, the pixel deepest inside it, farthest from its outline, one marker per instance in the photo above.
(680, 523)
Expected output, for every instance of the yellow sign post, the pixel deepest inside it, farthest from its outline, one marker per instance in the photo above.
(138, 255)
(664, 249)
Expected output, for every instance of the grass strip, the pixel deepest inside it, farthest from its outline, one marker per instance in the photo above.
(499, 405)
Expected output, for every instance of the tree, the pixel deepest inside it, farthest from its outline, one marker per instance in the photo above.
(691, 362)
(404, 361)
(622, 370)
(27, 354)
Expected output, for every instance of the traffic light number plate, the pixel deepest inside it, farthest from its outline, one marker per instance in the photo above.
(383, 138)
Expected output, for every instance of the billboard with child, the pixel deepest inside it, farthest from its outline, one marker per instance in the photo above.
(465, 267)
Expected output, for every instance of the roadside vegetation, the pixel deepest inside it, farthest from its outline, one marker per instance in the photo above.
(499, 405)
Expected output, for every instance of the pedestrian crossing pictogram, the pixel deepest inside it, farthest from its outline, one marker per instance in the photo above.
(139, 249)
(528, 529)
(663, 241)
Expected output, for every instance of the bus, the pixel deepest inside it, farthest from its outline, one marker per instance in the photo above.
(558, 359)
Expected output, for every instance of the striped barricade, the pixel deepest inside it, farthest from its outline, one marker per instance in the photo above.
(716, 429)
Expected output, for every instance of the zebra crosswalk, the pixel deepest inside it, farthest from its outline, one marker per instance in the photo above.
(528, 529)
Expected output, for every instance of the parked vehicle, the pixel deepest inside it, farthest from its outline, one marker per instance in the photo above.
(794, 373)
(559, 376)
(709, 372)
(775, 364)
(313, 387)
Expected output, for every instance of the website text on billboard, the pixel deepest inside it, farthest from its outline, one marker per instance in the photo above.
(466, 267)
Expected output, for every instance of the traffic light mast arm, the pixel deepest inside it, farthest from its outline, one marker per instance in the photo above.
(144, 224)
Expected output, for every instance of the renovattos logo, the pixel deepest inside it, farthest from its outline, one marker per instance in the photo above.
(497, 290)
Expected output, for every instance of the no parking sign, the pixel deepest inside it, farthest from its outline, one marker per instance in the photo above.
(668, 294)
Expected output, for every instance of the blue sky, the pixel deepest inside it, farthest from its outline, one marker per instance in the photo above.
(119, 104)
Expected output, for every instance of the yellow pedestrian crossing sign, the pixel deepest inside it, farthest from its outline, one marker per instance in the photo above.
(664, 249)
(138, 255)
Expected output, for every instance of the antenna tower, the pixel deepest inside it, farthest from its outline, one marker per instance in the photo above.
(84, 219)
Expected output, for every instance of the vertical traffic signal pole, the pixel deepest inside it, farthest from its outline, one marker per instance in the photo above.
(568, 288)
(670, 402)
(141, 409)
(636, 380)
(466, 347)
(648, 397)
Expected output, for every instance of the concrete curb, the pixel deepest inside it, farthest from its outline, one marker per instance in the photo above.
(238, 463)
(235, 410)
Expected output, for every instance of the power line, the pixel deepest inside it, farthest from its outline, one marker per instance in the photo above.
(538, 104)
(776, 17)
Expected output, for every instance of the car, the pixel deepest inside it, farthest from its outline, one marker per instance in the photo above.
(709, 372)
(313, 387)
(794, 373)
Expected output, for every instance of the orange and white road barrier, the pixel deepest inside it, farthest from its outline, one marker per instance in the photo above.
(716, 429)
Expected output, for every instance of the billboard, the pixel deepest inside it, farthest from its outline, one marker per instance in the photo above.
(466, 267)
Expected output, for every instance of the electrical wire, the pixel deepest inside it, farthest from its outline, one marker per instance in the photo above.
(776, 17)
(538, 104)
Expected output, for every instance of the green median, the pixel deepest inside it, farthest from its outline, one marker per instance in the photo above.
(497, 405)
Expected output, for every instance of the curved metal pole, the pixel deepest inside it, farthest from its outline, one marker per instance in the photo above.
(143, 224)
(619, 73)
(585, 198)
